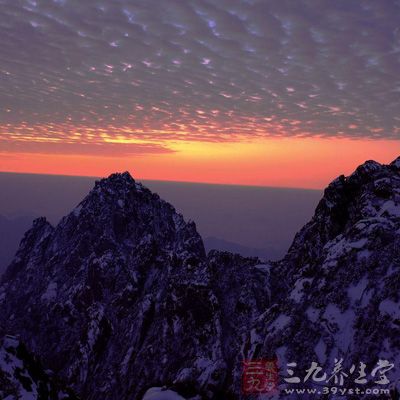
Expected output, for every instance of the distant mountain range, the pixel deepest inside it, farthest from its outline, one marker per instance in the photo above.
(266, 253)
(121, 302)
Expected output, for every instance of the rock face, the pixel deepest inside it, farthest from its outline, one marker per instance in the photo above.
(23, 377)
(341, 281)
(120, 297)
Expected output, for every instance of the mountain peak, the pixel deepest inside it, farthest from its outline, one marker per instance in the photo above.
(40, 222)
(111, 271)
(117, 180)
(120, 176)
(118, 191)
(360, 199)
(396, 162)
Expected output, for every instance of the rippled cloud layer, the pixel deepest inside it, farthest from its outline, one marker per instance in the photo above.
(142, 72)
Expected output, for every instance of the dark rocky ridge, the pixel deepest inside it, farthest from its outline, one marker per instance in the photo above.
(120, 295)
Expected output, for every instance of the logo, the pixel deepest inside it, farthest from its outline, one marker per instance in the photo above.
(259, 376)
(262, 377)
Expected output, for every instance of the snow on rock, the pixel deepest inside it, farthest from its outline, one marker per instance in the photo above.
(121, 284)
(391, 208)
(280, 322)
(357, 291)
(390, 308)
(297, 292)
(50, 293)
(340, 324)
(396, 163)
(22, 376)
(312, 314)
(77, 211)
(157, 393)
(339, 282)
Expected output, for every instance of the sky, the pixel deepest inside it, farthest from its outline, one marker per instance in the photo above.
(268, 92)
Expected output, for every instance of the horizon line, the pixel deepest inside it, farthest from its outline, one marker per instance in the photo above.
(166, 181)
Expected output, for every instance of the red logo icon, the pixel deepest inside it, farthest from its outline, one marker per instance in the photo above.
(259, 376)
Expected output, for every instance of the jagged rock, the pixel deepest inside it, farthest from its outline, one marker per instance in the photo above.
(120, 296)
(23, 377)
(342, 275)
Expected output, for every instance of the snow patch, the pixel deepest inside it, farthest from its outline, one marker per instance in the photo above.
(50, 293)
(10, 363)
(77, 211)
(280, 322)
(312, 314)
(263, 267)
(390, 208)
(340, 324)
(359, 244)
(355, 292)
(157, 393)
(391, 308)
(178, 221)
(297, 292)
(125, 362)
(339, 247)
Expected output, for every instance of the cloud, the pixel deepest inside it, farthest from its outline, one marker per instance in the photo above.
(199, 70)
(67, 148)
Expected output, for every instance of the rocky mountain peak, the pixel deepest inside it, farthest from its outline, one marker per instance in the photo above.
(119, 299)
(371, 191)
(116, 183)
(109, 273)
(396, 163)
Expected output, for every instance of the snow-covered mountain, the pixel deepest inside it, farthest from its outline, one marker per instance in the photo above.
(120, 299)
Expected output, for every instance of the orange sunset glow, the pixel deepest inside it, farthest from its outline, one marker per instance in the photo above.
(282, 162)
